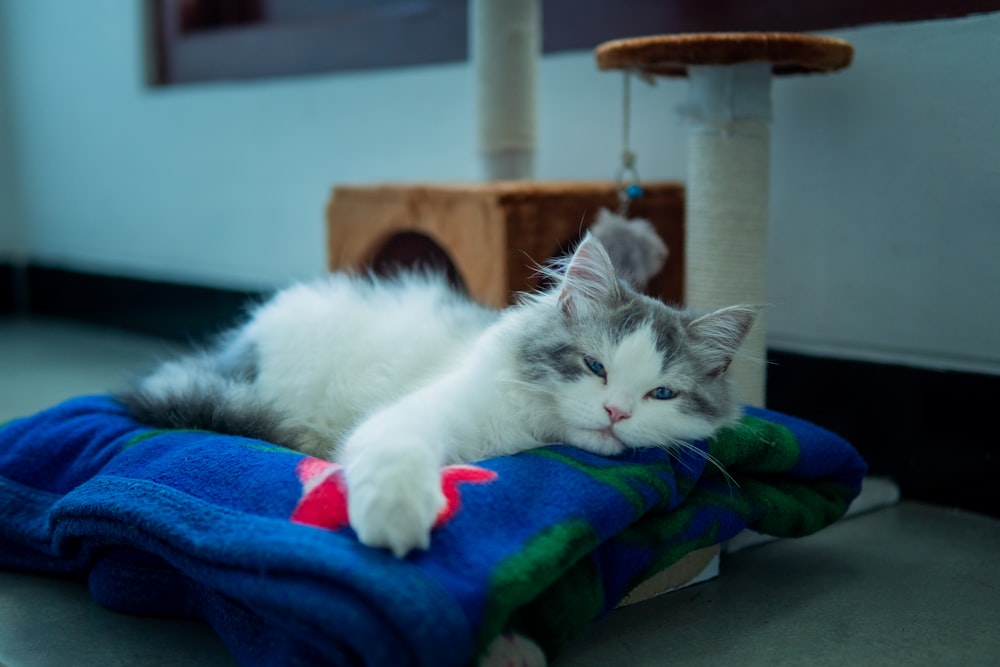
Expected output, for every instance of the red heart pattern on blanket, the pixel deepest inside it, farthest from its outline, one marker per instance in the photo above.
(324, 492)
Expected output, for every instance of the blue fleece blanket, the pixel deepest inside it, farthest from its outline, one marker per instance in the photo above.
(253, 538)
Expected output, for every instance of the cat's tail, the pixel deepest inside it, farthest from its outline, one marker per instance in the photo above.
(192, 393)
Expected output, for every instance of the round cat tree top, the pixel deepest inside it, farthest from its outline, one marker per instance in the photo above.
(671, 55)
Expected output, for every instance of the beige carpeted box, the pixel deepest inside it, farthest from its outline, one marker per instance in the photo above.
(491, 235)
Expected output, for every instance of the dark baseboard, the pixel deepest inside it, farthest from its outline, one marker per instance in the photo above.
(7, 289)
(925, 429)
(930, 431)
(185, 313)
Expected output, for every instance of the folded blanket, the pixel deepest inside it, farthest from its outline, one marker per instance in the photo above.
(253, 538)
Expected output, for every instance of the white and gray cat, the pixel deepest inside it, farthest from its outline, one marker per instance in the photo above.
(395, 377)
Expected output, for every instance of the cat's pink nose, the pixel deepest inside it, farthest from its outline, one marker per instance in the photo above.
(616, 414)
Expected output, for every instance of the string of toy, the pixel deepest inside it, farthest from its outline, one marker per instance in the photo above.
(627, 178)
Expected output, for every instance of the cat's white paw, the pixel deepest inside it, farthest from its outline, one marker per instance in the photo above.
(395, 504)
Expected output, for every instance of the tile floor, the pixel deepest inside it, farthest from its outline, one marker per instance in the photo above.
(910, 584)
(45, 361)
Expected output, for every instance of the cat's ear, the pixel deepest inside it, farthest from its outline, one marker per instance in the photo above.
(589, 278)
(721, 333)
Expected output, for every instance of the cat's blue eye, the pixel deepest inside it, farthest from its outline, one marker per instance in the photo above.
(596, 367)
(663, 394)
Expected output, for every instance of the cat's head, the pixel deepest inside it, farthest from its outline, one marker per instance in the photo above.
(623, 370)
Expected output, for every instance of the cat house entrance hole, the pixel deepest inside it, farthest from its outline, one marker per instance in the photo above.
(408, 251)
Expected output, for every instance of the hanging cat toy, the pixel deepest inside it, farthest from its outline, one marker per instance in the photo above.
(627, 178)
(647, 253)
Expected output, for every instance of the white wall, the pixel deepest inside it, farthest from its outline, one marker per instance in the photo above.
(225, 184)
(884, 197)
(221, 184)
(10, 237)
(886, 200)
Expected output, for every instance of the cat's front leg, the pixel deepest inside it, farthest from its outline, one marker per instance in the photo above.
(392, 468)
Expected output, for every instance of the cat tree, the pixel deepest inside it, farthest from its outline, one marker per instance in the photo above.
(729, 114)
(488, 234)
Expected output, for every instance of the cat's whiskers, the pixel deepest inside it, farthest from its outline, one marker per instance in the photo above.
(529, 385)
(672, 451)
(675, 445)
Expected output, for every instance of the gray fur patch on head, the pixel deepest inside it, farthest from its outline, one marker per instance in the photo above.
(554, 343)
(595, 310)
(550, 357)
(711, 341)
(588, 279)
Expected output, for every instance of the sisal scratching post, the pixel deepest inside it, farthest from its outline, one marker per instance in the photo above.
(729, 114)
(506, 43)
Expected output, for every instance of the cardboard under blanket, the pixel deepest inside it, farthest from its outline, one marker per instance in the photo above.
(491, 236)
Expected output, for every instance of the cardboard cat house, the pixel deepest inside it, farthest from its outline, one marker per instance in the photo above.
(490, 237)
